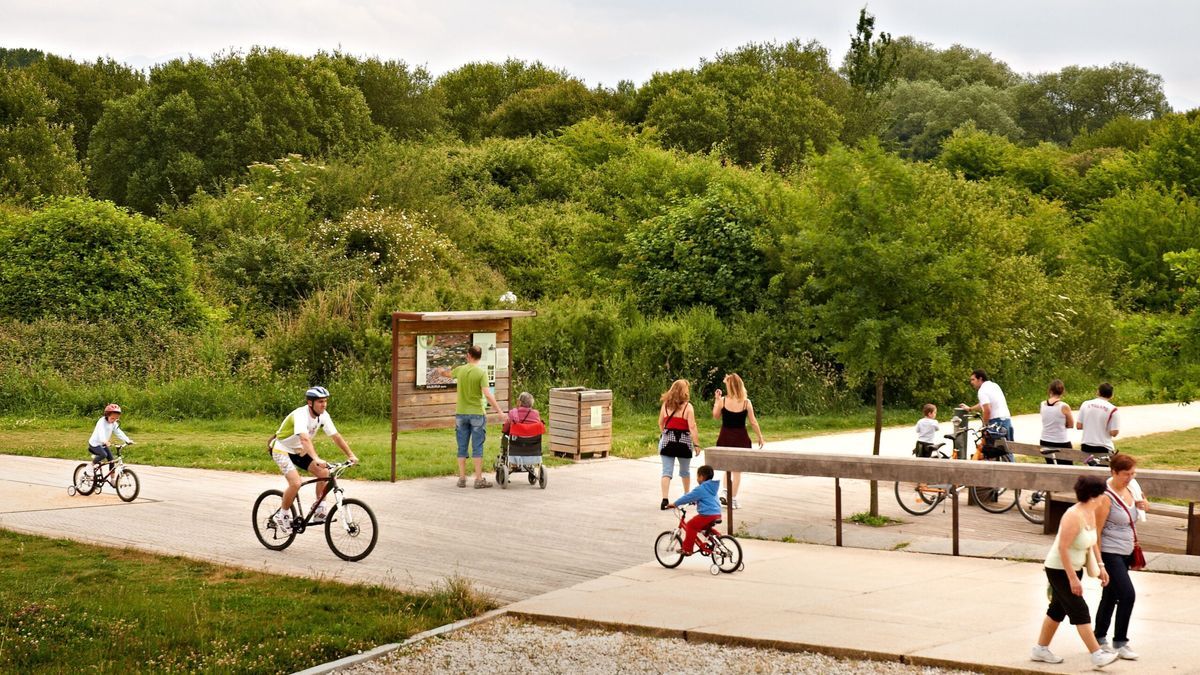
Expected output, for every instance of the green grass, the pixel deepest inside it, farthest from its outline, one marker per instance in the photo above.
(1179, 450)
(239, 444)
(865, 518)
(67, 607)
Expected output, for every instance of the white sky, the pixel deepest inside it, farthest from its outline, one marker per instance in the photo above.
(604, 41)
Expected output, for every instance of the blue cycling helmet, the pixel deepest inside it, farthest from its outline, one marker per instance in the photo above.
(315, 393)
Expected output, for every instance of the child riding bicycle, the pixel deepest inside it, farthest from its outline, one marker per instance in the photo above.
(708, 508)
(106, 426)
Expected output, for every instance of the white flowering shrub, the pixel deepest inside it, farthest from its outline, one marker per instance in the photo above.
(396, 244)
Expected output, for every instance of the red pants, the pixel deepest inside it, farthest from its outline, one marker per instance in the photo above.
(693, 528)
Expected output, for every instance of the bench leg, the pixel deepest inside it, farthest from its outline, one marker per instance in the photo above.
(1055, 508)
(1193, 530)
(837, 510)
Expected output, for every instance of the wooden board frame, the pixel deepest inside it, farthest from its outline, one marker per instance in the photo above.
(414, 407)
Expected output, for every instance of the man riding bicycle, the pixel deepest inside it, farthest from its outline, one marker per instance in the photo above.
(292, 447)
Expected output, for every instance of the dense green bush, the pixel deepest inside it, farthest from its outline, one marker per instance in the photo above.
(91, 261)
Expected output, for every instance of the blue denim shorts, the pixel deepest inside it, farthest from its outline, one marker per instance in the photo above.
(471, 428)
(685, 466)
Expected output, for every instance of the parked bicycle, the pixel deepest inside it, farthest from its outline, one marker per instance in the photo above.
(723, 549)
(350, 526)
(91, 478)
(920, 498)
(1032, 503)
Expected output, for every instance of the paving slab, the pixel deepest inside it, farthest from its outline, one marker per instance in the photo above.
(974, 613)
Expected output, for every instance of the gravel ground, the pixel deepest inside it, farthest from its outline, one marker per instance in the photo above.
(510, 646)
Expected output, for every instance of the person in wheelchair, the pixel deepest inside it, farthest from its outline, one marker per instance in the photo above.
(524, 420)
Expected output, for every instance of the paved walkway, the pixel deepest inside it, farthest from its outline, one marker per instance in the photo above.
(927, 609)
(594, 519)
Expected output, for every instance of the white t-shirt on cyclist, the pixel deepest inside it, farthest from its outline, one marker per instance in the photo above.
(927, 430)
(104, 431)
(301, 421)
(989, 393)
(1099, 416)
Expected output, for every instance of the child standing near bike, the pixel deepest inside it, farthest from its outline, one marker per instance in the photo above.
(106, 426)
(708, 508)
(927, 431)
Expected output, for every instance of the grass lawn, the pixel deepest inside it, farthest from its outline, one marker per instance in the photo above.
(239, 444)
(67, 607)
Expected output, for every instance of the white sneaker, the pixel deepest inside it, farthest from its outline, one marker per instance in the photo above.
(1126, 653)
(721, 497)
(319, 514)
(283, 522)
(1044, 655)
(736, 505)
(1101, 658)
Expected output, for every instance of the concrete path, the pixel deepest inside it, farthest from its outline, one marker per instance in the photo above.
(975, 613)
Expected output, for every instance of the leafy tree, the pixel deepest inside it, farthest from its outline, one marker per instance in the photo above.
(80, 91)
(473, 92)
(543, 109)
(1173, 154)
(91, 261)
(869, 68)
(923, 114)
(886, 280)
(1132, 231)
(1058, 106)
(36, 155)
(198, 123)
(19, 57)
(707, 250)
(954, 67)
(974, 154)
(402, 100)
(1121, 132)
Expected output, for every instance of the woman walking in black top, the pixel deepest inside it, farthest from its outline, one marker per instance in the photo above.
(734, 411)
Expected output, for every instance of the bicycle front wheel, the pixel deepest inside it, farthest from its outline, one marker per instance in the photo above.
(128, 486)
(730, 554)
(919, 498)
(84, 480)
(265, 507)
(1032, 505)
(351, 530)
(668, 549)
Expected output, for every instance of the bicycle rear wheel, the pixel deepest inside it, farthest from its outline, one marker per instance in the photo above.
(84, 479)
(919, 498)
(730, 556)
(1032, 505)
(262, 518)
(128, 486)
(995, 499)
(668, 549)
(351, 530)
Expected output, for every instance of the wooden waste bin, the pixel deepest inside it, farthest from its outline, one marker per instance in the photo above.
(580, 422)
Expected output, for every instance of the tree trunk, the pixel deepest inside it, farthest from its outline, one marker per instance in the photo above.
(878, 433)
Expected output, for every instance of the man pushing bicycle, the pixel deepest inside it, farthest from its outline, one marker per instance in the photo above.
(292, 447)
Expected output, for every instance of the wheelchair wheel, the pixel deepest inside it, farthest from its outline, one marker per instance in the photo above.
(542, 476)
(532, 476)
(502, 477)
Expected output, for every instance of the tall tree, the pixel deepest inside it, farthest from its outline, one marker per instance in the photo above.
(869, 67)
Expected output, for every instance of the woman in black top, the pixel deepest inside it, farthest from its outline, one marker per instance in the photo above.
(734, 411)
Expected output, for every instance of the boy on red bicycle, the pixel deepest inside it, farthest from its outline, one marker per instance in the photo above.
(708, 509)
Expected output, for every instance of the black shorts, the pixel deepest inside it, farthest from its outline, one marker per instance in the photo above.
(301, 461)
(1095, 449)
(1066, 445)
(1064, 603)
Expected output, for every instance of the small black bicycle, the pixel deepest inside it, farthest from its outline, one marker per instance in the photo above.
(91, 478)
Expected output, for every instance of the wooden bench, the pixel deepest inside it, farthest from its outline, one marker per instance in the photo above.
(1050, 478)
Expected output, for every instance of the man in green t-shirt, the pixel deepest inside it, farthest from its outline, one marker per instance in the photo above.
(470, 418)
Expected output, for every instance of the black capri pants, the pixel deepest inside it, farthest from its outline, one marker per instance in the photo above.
(1064, 603)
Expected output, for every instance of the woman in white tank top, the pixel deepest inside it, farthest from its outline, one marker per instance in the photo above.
(1056, 421)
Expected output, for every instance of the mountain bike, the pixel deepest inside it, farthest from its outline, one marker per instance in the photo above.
(723, 549)
(350, 526)
(91, 478)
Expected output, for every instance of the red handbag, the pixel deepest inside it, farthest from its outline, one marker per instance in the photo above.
(1139, 558)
